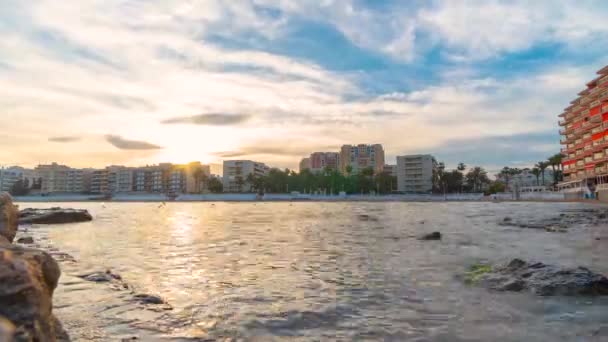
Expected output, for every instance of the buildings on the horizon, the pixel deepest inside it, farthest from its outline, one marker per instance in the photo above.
(354, 158)
(585, 139)
(236, 174)
(527, 179)
(415, 173)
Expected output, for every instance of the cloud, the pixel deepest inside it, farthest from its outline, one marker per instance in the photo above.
(213, 119)
(65, 139)
(125, 144)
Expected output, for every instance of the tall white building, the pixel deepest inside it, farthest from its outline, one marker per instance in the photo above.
(415, 173)
(237, 171)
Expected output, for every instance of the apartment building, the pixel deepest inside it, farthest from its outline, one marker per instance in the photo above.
(120, 179)
(194, 174)
(360, 157)
(237, 171)
(585, 139)
(57, 178)
(304, 164)
(10, 176)
(415, 173)
(151, 178)
(319, 161)
(99, 182)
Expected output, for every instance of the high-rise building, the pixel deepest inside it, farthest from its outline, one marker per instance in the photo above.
(585, 139)
(236, 173)
(360, 157)
(304, 164)
(319, 161)
(99, 182)
(415, 173)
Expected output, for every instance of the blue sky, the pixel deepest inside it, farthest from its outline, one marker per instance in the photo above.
(94, 82)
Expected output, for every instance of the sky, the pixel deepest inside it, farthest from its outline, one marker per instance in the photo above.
(91, 83)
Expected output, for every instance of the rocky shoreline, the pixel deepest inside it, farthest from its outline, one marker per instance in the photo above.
(28, 278)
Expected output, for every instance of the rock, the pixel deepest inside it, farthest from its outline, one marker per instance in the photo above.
(28, 278)
(101, 277)
(26, 240)
(507, 219)
(544, 280)
(7, 330)
(149, 299)
(8, 217)
(365, 217)
(431, 236)
(54, 216)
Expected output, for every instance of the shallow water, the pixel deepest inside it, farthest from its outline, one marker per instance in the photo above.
(318, 271)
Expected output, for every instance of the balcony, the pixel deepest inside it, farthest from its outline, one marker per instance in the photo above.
(603, 95)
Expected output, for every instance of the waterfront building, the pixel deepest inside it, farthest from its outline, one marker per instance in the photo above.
(99, 182)
(151, 179)
(360, 157)
(10, 176)
(236, 173)
(319, 161)
(120, 179)
(527, 179)
(195, 173)
(304, 164)
(57, 178)
(585, 141)
(415, 173)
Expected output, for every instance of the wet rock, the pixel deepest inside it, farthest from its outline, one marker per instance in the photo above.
(565, 220)
(101, 277)
(152, 302)
(26, 240)
(544, 280)
(148, 299)
(28, 278)
(8, 217)
(54, 216)
(7, 330)
(365, 217)
(431, 236)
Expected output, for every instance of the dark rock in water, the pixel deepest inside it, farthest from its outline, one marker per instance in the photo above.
(54, 216)
(26, 240)
(8, 217)
(507, 219)
(544, 280)
(365, 217)
(431, 236)
(28, 278)
(149, 299)
(101, 277)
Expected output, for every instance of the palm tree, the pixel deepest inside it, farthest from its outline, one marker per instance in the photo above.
(542, 165)
(536, 171)
(461, 167)
(506, 173)
(556, 161)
